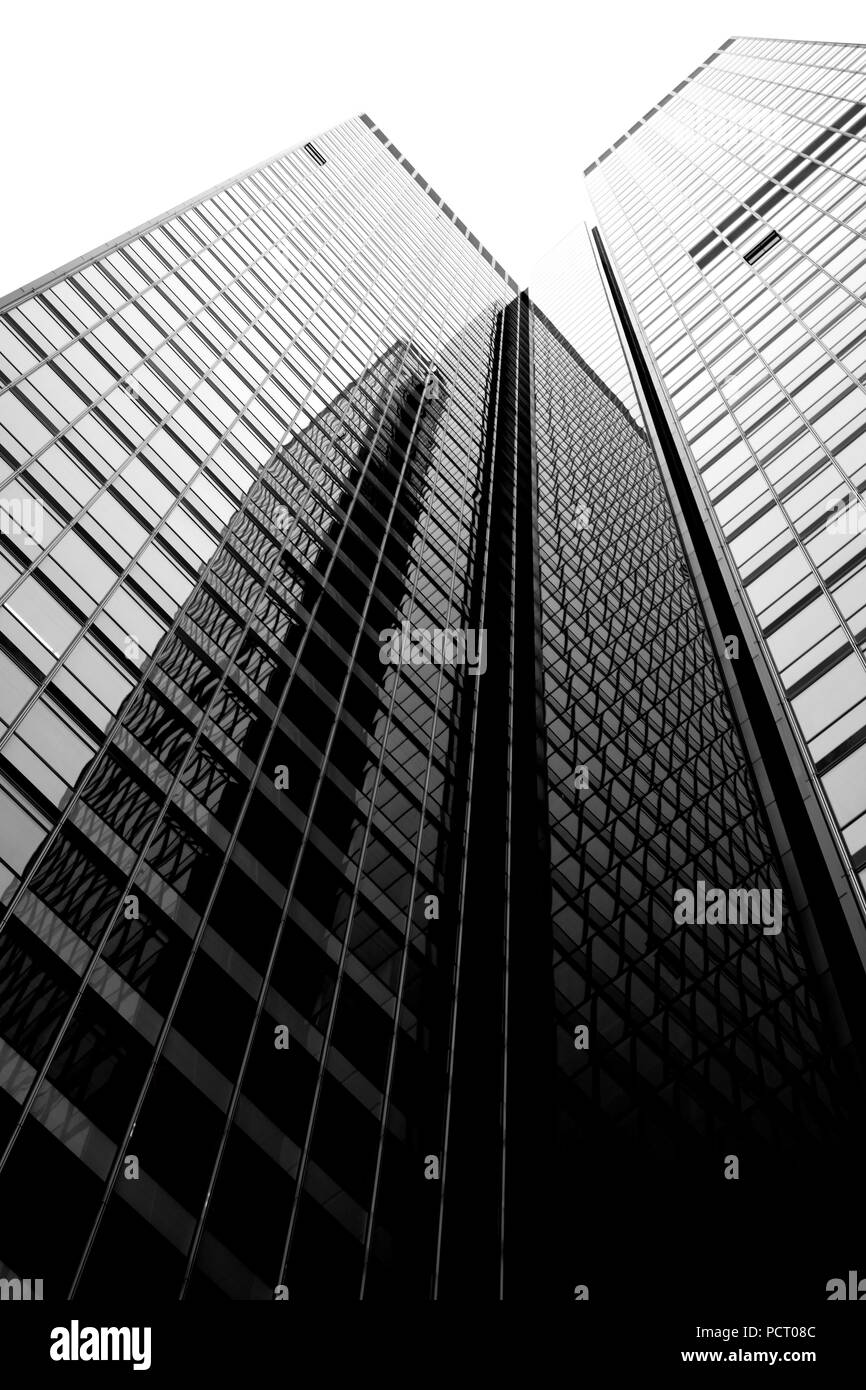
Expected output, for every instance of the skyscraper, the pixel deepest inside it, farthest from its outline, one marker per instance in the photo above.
(250, 435)
(367, 715)
(732, 217)
(730, 241)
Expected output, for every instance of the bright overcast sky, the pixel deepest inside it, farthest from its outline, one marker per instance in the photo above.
(115, 112)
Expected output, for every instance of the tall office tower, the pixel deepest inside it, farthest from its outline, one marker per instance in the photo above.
(732, 219)
(239, 446)
(365, 714)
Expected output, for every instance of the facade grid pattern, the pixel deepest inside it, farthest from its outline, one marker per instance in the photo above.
(245, 442)
(735, 218)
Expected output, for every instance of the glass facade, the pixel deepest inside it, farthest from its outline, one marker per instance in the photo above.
(702, 1041)
(734, 213)
(567, 287)
(363, 717)
(238, 447)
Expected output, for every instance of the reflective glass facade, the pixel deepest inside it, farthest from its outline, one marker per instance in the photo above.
(734, 214)
(703, 1041)
(363, 713)
(238, 446)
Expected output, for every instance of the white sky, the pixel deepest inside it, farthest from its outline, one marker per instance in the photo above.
(113, 112)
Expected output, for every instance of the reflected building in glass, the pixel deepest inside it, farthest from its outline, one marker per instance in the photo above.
(365, 705)
(680, 1043)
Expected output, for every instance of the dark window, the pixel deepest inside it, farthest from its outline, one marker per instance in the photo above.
(763, 246)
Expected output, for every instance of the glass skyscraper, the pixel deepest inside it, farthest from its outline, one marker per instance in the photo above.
(730, 241)
(366, 710)
(733, 216)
